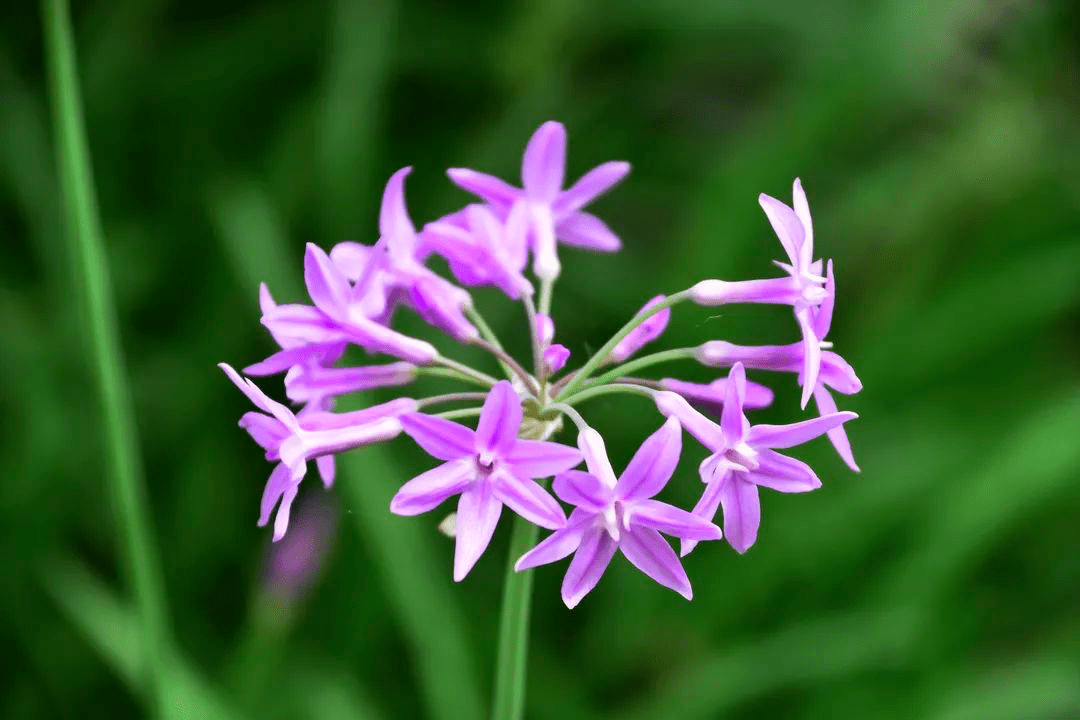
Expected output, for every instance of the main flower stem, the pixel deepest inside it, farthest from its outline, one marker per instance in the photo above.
(86, 243)
(597, 359)
(512, 653)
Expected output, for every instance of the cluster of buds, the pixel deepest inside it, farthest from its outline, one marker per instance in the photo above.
(506, 459)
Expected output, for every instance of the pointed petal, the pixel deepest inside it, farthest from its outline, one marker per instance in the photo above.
(802, 212)
(705, 508)
(539, 458)
(838, 374)
(706, 432)
(650, 553)
(584, 230)
(477, 514)
(497, 192)
(732, 420)
(673, 521)
(653, 464)
(742, 511)
(267, 431)
(837, 436)
(500, 419)
(266, 300)
(823, 314)
(582, 490)
(276, 485)
(543, 164)
(811, 356)
(328, 288)
(516, 234)
(553, 548)
(394, 222)
(327, 469)
(784, 474)
(350, 258)
(428, 490)
(528, 499)
(786, 436)
(785, 223)
(259, 398)
(592, 448)
(280, 361)
(439, 437)
(281, 520)
(592, 557)
(591, 185)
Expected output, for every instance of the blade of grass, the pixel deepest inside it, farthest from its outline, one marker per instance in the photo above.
(92, 277)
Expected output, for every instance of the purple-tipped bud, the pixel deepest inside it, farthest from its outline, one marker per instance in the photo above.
(643, 334)
(711, 396)
(555, 357)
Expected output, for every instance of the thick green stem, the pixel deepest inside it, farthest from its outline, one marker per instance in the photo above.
(643, 362)
(596, 360)
(92, 278)
(509, 702)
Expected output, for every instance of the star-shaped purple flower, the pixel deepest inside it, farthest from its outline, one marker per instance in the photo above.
(745, 458)
(550, 213)
(621, 515)
(488, 467)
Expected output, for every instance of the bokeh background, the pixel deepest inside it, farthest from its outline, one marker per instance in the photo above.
(938, 142)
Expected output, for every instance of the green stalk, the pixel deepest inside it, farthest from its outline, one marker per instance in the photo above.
(643, 362)
(613, 389)
(510, 664)
(86, 245)
(596, 360)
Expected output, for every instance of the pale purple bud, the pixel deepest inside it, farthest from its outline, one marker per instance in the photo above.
(643, 334)
(555, 357)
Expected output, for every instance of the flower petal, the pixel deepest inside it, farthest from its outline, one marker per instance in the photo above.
(327, 469)
(650, 553)
(328, 288)
(584, 230)
(544, 162)
(259, 398)
(786, 436)
(653, 464)
(582, 489)
(596, 459)
(784, 474)
(500, 420)
(785, 224)
(811, 356)
(528, 499)
(742, 511)
(428, 490)
(706, 432)
(838, 374)
(281, 520)
(554, 547)
(705, 508)
(267, 431)
(592, 557)
(275, 487)
(824, 312)
(439, 437)
(540, 458)
(837, 436)
(394, 222)
(802, 212)
(673, 521)
(732, 420)
(497, 192)
(477, 514)
(589, 186)
(643, 334)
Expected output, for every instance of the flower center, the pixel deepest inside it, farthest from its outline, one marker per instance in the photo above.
(742, 457)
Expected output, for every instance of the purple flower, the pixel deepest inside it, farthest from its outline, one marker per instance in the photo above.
(548, 212)
(744, 458)
(481, 250)
(621, 514)
(340, 315)
(294, 440)
(314, 383)
(488, 467)
(643, 334)
(555, 356)
(834, 371)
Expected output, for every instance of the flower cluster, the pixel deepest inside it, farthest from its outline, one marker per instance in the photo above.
(506, 460)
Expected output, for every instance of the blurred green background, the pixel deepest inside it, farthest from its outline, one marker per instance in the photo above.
(938, 142)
